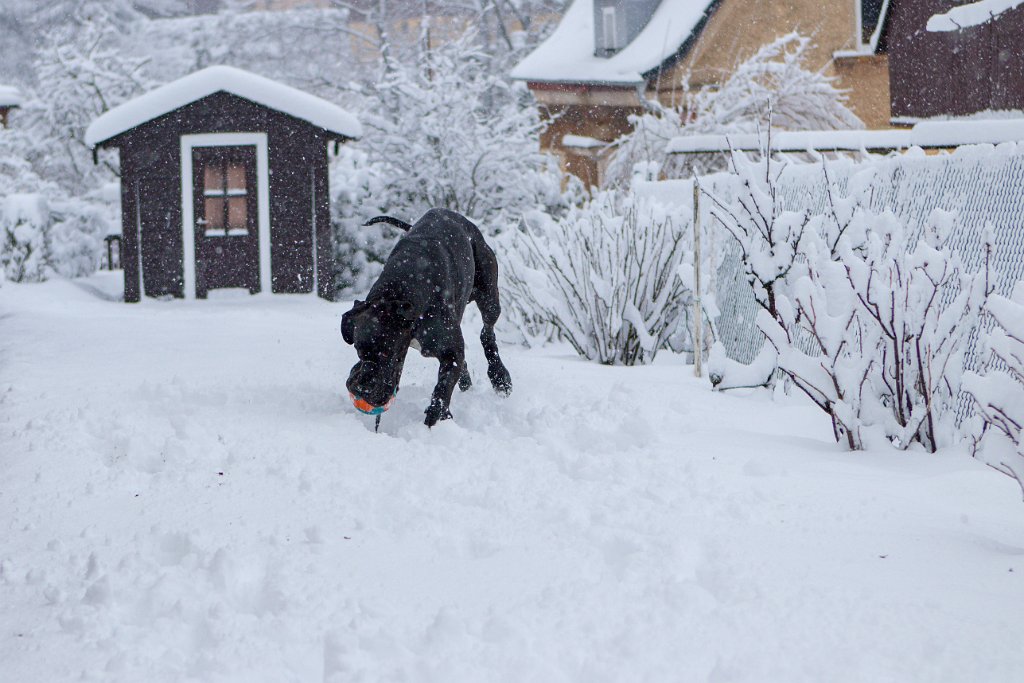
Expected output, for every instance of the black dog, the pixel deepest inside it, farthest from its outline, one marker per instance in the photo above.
(434, 271)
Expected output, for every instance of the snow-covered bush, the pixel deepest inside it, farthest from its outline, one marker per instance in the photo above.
(868, 318)
(875, 330)
(24, 237)
(16, 173)
(775, 82)
(997, 390)
(359, 191)
(605, 277)
(451, 131)
(64, 234)
(767, 232)
(77, 229)
(446, 130)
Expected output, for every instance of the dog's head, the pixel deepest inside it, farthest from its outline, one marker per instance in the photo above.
(381, 332)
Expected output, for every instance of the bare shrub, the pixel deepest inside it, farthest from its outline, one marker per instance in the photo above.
(997, 389)
(604, 278)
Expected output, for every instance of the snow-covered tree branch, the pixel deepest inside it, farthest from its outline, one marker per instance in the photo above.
(774, 83)
(445, 130)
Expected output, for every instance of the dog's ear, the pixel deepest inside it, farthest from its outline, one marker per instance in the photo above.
(348, 322)
(402, 310)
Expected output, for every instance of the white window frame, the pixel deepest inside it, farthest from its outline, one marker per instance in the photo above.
(606, 14)
(188, 142)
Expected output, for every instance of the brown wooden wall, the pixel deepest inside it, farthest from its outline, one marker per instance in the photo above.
(955, 72)
(151, 170)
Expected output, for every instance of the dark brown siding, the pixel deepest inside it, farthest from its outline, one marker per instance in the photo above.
(322, 200)
(129, 243)
(297, 160)
(955, 72)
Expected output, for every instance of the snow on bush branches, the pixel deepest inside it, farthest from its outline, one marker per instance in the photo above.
(868, 318)
(24, 243)
(447, 130)
(998, 389)
(450, 131)
(605, 277)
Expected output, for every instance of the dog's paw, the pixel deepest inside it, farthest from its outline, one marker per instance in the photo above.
(435, 414)
(465, 381)
(500, 379)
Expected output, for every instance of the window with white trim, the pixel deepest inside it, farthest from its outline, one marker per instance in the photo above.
(225, 196)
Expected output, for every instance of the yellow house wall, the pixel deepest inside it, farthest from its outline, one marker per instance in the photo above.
(738, 28)
(866, 82)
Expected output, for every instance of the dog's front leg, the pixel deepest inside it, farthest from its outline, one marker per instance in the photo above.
(447, 377)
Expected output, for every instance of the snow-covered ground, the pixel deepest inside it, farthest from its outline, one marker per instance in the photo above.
(185, 494)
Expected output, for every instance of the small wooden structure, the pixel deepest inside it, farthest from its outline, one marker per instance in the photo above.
(224, 184)
(10, 98)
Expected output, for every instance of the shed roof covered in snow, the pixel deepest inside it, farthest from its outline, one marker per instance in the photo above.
(10, 96)
(200, 84)
(569, 55)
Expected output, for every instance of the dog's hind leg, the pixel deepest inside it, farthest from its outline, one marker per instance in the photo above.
(496, 370)
(487, 301)
(485, 294)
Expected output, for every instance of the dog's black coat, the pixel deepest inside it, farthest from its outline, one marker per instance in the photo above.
(434, 271)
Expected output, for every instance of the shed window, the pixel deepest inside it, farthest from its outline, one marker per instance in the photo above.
(225, 193)
(610, 28)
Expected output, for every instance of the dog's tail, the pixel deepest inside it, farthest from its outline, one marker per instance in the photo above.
(402, 225)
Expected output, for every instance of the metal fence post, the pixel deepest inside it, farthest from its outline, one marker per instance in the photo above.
(698, 321)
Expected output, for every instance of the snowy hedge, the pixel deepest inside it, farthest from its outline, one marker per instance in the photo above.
(605, 277)
(997, 389)
(39, 238)
(870, 319)
(24, 231)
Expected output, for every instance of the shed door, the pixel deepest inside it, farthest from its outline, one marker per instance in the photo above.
(226, 229)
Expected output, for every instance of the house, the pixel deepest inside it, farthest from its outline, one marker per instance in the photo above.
(954, 62)
(224, 184)
(10, 99)
(589, 76)
(898, 60)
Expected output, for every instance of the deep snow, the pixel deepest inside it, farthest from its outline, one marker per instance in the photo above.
(185, 494)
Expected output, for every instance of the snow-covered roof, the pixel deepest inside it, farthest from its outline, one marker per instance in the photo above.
(10, 96)
(200, 84)
(974, 14)
(933, 134)
(582, 142)
(567, 56)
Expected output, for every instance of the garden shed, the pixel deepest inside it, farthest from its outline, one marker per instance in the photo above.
(10, 99)
(224, 184)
